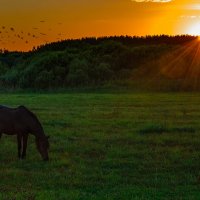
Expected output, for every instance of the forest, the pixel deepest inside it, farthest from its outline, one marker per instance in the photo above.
(86, 62)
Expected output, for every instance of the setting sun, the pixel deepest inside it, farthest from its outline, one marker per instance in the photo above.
(194, 29)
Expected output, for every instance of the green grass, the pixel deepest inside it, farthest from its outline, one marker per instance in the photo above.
(107, 146)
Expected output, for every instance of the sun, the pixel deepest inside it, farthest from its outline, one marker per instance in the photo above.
(194, 29)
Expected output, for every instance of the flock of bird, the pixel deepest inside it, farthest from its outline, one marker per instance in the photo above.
(12, 35)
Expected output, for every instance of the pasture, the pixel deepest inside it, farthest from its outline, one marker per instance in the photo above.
(107, 145)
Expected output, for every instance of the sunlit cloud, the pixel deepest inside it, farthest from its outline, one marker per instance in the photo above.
(193, 6)
(190, 16)
(153, 1)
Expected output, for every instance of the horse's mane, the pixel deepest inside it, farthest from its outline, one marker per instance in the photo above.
(31, 114)
(2, 106)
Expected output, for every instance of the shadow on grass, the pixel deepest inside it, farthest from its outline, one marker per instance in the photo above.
(160, 129)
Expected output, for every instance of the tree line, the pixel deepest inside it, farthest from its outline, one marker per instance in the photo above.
(83, 62)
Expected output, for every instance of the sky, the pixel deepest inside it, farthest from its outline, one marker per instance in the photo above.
(28, 23)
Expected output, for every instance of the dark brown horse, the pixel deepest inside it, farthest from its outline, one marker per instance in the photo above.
(20, 121)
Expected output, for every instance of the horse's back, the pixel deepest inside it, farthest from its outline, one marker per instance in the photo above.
(4, 107)
(5, 112)
(13, 120)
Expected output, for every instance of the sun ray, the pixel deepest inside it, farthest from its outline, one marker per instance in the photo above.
(190, 74)
(182, 68)
(173, 69)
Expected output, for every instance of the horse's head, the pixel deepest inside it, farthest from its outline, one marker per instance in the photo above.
(43, 147)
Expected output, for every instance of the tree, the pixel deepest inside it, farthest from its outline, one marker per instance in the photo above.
(78, 72)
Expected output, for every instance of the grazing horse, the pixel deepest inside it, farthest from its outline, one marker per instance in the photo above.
(20, 121)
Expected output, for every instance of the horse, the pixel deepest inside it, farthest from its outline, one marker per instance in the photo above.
(21, 121)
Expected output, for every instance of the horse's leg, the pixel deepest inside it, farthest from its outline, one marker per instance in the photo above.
(19, 140)
(25, 139)
(0, 135)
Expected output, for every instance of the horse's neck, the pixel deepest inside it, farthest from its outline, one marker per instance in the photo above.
(38, 131)
(35, 126)
(29, 121)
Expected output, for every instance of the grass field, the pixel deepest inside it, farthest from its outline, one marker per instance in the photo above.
(107, 146)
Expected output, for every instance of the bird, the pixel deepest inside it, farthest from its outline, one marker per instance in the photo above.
(42, 34)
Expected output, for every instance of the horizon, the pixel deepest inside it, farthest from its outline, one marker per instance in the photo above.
(4, 50)
(33, 23)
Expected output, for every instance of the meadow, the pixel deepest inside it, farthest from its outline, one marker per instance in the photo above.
(106, 145)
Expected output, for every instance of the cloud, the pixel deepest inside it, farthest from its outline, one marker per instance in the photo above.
(153, 1)
(190, 16)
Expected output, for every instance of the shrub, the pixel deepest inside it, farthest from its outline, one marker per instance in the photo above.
(10, 78)
(153, 128)
(44, 80)
(78, 73)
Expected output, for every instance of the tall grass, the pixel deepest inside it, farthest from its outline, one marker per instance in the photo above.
(106, 146)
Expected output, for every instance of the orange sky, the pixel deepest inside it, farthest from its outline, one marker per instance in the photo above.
(28, 23)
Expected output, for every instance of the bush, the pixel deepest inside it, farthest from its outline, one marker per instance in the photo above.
(78, 73)
(44, 80)
(3, 68)
(153, 128)
(100, 73)
(10, 78)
